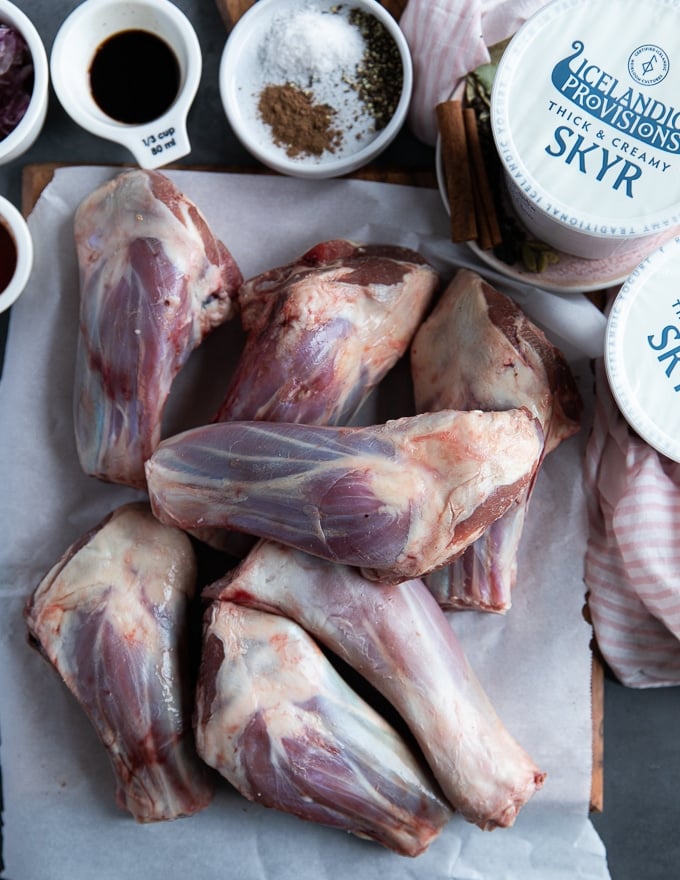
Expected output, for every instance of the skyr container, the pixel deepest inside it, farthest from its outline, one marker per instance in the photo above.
(642, 349)
(585, 114)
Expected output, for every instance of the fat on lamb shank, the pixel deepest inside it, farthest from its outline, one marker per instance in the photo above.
(154, 281)
(111, 618)
(478, 350)
(399, 639)
(275, 718)
(398, 499)
(323, 331)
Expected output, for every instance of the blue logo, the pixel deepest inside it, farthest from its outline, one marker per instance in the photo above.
(648, 65)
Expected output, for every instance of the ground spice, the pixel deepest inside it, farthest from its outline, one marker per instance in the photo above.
(298, 124)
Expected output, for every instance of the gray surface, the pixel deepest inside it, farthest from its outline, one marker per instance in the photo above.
(640, 824)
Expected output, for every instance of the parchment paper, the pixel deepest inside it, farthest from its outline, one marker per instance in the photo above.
(60, 820)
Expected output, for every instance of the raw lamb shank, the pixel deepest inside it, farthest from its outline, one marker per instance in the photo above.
(399, 639)
(154, 281)
(111, 617)
(324, 330)
(478, 350)
(275, 718)
(398, 500)
(321, 334)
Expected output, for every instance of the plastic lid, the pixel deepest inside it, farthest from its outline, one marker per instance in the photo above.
(586, 114)
(642, 350)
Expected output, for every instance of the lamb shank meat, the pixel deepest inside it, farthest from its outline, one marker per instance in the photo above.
(111, 617)
(478, 350)
(398, 499)
(275, 718)
(154, 281)
(398, 638)
(321, 333)
(324, 330)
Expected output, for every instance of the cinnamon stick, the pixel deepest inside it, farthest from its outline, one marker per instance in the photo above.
(457, 173)
(485, 208)
(394, 7)
(232, 10)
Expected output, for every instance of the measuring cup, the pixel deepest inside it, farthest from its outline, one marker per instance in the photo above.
(90, 26)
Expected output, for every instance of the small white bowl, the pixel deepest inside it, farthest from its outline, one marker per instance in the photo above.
(153, 144)
(26, 132)
(242, 78)
(19, 233)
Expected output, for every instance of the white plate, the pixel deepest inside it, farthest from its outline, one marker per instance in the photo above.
(570, 273)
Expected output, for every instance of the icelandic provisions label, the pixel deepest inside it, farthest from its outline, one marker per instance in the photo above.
(586, 114)
(602, 96)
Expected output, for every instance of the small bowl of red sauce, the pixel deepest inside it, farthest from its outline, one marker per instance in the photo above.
(24, 82)
(16, 254)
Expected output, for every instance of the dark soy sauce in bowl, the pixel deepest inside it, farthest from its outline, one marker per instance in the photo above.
(134, 77)
(8, 257)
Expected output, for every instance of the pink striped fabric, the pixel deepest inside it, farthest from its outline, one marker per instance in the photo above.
(632, 566)
(448, 39)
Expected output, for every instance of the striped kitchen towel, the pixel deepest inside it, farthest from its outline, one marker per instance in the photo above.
(632, 566)
(448, 39)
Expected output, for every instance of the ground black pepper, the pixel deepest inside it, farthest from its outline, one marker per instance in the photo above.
(297, 123)
(380, 74)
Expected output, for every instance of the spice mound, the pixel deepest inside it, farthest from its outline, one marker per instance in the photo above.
(330, 80)
(16, 79)
(297, 123)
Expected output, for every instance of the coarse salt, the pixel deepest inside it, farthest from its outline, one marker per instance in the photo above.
(342, 61)
(309, 48)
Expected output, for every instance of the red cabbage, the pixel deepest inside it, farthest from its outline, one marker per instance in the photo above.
(16, 79)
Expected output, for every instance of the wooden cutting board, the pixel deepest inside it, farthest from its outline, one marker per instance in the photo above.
(232, 10)
(36, 177)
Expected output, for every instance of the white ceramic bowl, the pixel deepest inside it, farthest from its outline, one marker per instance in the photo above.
(155, 143)
(19, 232)
(242, 78)
(26, 132)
